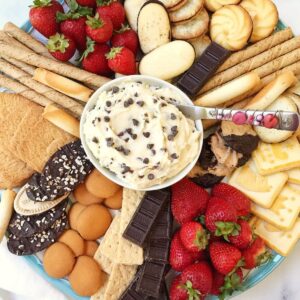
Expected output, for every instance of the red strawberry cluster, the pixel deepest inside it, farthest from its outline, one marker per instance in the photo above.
(214, 241)
(96, 28)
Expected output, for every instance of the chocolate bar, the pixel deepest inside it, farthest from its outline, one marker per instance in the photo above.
(203, 69)
(158, 250)
(142, 221)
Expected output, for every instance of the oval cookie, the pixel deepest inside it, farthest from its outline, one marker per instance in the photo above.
(187, 11)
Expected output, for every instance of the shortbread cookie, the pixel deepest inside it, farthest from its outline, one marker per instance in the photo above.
(38, 241)
(192, 28)
(200, 44)
(264, 15)
(187, 11)
(24, 226)
(231, 27)
(213, 5)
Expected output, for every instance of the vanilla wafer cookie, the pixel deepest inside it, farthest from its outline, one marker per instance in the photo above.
(27, 207)
(285, 209)
(281, 241)
(272, 158)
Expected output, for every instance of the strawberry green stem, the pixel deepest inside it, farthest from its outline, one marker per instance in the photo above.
(58, 42)
(95, 22)
(113, 52)
(41, 3)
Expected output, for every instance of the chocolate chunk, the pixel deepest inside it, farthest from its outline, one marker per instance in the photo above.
(25, 226)
(146, 134)
(151, 279)
(135, 122)
(207, 158)
(95, 140)
(115, 89)
(142, 221)
(65, 169)
(203, 69)
(207, 180)
(38, 241)
(106, 119)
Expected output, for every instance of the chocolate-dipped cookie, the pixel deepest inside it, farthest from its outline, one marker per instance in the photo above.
(67, 168)
(38, 241)
(25, 226)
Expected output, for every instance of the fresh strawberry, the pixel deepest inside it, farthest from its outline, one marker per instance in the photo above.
(112, 9)
(220, 218)
(224, 257)
(94, 60)
(243, 239)
(256, 254)
(121, 60)
(89, 3)
(218, 282)
(126, 37)
(61, 47)
(232, 282)
(42, 16)
(197, 279)
(178, 290)
(193, 236)
(73, 24)
(233, 196)
(99, 29)
(188, 200)
(180, 257)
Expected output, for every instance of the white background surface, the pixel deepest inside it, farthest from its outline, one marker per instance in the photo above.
(19, 282)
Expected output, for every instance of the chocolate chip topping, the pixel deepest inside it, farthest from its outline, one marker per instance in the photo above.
(140, 103)
(135, 122)
(106, 119)
(146, 134)
(95, 140)
(173, 116)
(146, 161)
(150, 146)
(115, 89)
(151, 176)
(128, 102)
(108, 103)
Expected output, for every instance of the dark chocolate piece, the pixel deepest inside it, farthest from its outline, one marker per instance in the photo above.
(142, 221)
(203, 69)
(158, 250)
(66, 168)
(207, 159)
(25, 226)
(207, 180)
(151, 278)
(38, 241)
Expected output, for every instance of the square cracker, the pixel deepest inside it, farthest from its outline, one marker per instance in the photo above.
(263, 190)
(285, 210)
(119, 279)
(278, 240)
(272, 158)
(294, 175)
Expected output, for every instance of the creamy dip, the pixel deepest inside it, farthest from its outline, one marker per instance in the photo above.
(137, 132)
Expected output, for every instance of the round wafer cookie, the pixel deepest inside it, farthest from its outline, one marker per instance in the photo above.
(187, 11)
(170, 3)
(177, 6)
(191, 28)
(27, 207)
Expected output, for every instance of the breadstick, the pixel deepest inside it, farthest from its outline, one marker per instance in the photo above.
(61, 119)
(257, 48)
(23, 90)
(42, 89)
(63, 84)
(6, 210)
(26, 39)
(52, 65)
(271, 56)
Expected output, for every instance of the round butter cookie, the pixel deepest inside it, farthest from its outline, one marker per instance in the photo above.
(83, 196)
(264, 16)
(90, 248)
(191, 28)
(115, 201)
(73, 240)
(73, 214)
(214, 5)
(187, 11)
(231, 27)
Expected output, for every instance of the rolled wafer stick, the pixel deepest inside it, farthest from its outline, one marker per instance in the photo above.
(271, 56)
(257, 48)
(52, 65)
(23, 90)
(42, 89)
(24, 67)
(10, 40)
(26, 39)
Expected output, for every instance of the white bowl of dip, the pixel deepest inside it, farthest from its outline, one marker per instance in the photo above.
(90, 151)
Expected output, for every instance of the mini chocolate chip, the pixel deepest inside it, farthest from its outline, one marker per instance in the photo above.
(130, 101)
(115, 89)
(129, 130)
(153, 151)
(126, 151)
(139, 82)
(151, 176)
(162, 97)
(134, 136)
(163, 105)
(174, 128)
(108, 103)
(106, 119)
(170, 137)
(146, 114)
(136, 94)
(120, 133)
(126, 140)
(109, 142)
(173, 116)
(174, 156)
(99, 119)
(95, 140)
(154, 100)
(146, 160)
(140, 103)
(141, 176)
(135, 122)
(150, 146)
(146, 134)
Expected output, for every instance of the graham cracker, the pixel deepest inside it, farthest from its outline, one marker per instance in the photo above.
(285, 210)
(105, 263)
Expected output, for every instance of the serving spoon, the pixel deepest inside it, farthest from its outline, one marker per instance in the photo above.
(280, 120)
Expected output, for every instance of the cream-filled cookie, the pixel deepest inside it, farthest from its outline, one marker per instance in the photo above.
(214, 5)
(264, 16)
(231, 27)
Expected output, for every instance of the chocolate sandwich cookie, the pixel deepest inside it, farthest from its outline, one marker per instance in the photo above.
(38, 241)
(25, 226)
(67, 168)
